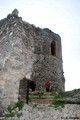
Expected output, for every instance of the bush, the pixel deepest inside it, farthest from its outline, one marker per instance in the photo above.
(58, 103)
(19, 104)
(14, 110)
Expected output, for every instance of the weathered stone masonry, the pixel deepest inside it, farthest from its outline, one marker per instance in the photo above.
(48, 64)
(28, 51)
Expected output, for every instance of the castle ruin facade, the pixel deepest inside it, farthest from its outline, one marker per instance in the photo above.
(31, 52)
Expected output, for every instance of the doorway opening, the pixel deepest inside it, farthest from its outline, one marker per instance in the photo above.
(24, 86)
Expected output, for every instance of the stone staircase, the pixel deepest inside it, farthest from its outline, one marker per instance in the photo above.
(34, 97)
(45, 98)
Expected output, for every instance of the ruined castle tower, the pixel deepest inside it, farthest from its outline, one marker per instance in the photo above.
(48, 64)
(28, 51)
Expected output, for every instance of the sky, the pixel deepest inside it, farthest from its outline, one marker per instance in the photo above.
(63, 18)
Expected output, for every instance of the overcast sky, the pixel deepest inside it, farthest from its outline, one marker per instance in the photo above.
(62, 17)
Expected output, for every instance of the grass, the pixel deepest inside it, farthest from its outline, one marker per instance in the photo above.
(19, 104)
(58, 104)
(14, 110)
(56, 101)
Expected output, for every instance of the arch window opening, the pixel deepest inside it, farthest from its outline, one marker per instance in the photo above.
(53, 48)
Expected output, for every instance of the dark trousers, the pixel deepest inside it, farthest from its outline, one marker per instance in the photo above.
(47, 89)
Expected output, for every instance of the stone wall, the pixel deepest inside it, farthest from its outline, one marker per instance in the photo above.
(16, 59)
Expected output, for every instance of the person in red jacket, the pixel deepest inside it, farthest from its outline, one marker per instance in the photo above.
(47, 85)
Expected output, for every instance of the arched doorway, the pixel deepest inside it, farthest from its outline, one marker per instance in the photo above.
(24, 86)
(32, 85)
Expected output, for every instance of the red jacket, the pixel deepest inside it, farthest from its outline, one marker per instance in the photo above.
(47, 85)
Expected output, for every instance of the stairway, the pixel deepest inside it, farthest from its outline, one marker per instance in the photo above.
(35, 97)
(45, 98)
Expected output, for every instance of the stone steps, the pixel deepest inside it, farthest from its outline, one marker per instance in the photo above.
(34, 96)
(43, 97)
(46, 98)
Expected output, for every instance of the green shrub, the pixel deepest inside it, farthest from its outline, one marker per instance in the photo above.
(9, 112)
(56, 101)
(10, 109)
(60, 96)
(58, 104)
(19, 104)
(14, 110)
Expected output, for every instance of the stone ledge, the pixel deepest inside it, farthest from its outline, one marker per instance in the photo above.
(10, 118)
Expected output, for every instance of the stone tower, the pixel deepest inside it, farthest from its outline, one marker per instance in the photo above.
(28, 51)
(48, 63)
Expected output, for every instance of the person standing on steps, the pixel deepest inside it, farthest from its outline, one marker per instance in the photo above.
(47, 85)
